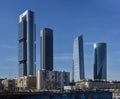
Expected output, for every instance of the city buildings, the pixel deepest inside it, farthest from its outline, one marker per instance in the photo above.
(46, 49)
(97, 85)
(78, 59)
(46, 77)
(100, 61)
(19, 84)
(26, 38)
(8, 84)
(52, 79)
(25, 83)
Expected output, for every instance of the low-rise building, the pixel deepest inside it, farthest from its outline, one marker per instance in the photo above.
(1, 85)
(8, 84)
(97, 85)
(19, 83)
(52, 79)
(25, 83)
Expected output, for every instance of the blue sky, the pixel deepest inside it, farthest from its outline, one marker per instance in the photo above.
(96, 20)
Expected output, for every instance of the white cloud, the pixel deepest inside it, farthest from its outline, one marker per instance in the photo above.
(4, 67)
(11, 59)
(65, 56)
(89, 43)
(8, 46)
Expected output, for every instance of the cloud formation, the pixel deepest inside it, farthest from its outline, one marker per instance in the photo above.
(8, 46)
(89, 43)
(65, 56)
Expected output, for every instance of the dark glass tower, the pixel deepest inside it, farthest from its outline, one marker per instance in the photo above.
(78, 59)
(100, 61)
(26, 38)
(46, 48)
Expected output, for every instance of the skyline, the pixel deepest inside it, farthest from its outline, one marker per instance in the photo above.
(97, 21)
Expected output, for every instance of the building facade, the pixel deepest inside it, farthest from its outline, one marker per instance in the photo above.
(27, 46)
(47, 80)
(78, 59)
(46, 49)
(25, 83)
(19, 84)
(8, 84)
(100, 61)
(97, 85)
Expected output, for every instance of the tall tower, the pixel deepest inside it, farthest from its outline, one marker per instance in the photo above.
(27, 46)
(78, 59)
(46, 48)
(100, 61)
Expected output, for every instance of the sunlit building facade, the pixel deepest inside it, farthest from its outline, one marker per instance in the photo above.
(100, 61)
(27, 46)
(78, 59)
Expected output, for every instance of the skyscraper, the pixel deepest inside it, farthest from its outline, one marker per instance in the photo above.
(46, 48)
(26, 38)
(78, 59)
(100, 61)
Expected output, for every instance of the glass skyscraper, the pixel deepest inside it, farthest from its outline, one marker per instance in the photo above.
(27, 46)
(46, 49)
(78, 59)
(100, 61)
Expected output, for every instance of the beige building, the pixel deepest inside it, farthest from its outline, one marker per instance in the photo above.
(20, 83)
(8, 84)
(97, 85)
(25, 83)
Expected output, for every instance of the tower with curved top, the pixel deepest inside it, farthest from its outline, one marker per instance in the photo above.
(100, 61)
(46, 49)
